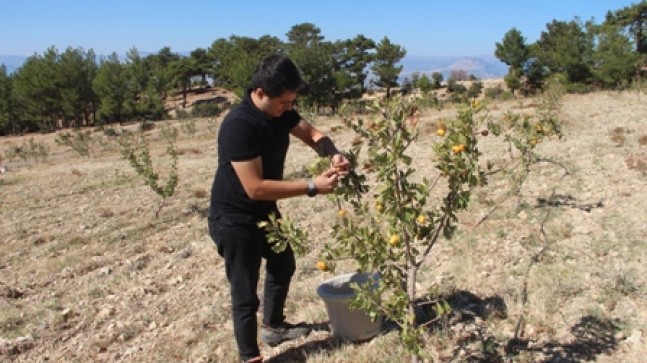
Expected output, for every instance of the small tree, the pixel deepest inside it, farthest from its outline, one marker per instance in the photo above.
(79, 141)
(393, 230)
(512, 50)
(424, 84)
(394, 233)
(436, 80)
(140, 159)
(387, 55)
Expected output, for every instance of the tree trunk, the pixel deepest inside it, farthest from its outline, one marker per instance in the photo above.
(184, 90)
(411, 292)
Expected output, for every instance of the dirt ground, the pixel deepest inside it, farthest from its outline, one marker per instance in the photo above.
(88, 273)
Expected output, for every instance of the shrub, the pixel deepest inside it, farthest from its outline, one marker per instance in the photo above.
(110, 132)
(454, 87)
(493, 93)
(146, 125)
(168, 132)
(138, 156)
(206, 109)
(188, 126)
(79, 141)
(28, 150)
(475, 89)
(182, 114)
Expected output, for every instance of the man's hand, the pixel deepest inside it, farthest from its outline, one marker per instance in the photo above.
(327, 181)
(340, 164)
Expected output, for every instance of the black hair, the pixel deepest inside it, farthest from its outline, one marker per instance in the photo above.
(276, 74)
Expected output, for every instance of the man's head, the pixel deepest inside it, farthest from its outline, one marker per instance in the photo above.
(277, 74)
(275, 85)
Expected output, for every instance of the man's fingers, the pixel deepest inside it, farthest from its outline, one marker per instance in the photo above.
(330, 172)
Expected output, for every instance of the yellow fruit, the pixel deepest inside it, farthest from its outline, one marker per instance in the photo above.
(342, 213)
(457, 149)
(422, 219)
(441, 128)
(394, 240)
(322, 266)
(379, 207)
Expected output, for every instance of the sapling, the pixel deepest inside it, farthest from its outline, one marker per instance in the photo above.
(140, 159)
(392, 231)
(79, 141)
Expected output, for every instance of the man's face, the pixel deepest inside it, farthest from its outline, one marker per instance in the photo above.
(274, 106)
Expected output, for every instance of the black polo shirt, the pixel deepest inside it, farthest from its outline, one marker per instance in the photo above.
(245, 134)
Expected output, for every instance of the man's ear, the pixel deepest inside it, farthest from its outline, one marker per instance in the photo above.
(259, 93)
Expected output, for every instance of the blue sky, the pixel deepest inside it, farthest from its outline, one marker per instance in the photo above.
(422, 27)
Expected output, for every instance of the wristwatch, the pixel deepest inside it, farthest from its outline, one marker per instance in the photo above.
(312, 189)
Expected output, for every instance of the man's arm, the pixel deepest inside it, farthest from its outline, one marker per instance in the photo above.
(314, 138)
(250, 174)
(322, 144)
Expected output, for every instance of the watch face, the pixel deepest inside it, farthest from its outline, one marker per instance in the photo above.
(312, 190)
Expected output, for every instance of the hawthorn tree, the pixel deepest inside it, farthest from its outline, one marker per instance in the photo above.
(391, 227)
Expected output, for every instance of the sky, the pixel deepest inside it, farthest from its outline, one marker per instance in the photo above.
(422, 27)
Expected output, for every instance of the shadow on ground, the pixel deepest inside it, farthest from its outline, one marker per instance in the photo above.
(474, 342)
(300, 353)
(591, 335)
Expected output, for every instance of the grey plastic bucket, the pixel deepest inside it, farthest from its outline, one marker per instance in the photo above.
(346, 323)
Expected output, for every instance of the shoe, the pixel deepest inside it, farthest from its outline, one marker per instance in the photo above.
(258, 359)
(274, 336)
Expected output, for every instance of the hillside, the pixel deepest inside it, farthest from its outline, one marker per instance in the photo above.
(483, 67)
(87, 273)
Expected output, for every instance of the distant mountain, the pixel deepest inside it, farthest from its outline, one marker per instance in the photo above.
(12, 62)
(482, 66)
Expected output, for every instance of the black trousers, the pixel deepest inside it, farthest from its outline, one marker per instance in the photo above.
(242, 247)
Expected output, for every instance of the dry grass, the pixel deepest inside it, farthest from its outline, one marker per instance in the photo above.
(88, 273)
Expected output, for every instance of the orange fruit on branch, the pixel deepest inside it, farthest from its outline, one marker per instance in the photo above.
(457, 149)
(322, 266)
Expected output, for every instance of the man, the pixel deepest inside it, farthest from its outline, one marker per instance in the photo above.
(252, 144)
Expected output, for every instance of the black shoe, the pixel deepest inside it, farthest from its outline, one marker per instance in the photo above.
(274, 336)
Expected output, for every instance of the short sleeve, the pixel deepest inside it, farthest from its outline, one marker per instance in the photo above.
(292, 118)
(239, 141)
